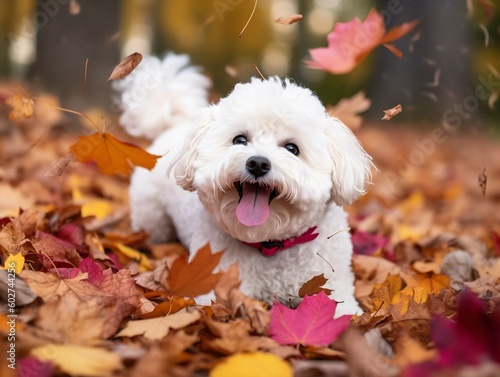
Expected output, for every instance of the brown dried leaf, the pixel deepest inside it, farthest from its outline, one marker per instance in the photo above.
(158, 328)
(77, 311)
(288, 20)
(58, 168)
(230, 296)
(12, 238)
(482, 180)
(195, 278)
(127, 65)
(313, 286)
(348, 110)
(389, 114)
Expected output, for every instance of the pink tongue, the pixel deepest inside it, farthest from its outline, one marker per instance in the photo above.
(253, 208)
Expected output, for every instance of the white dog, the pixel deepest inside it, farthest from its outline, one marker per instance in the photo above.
(261, 175)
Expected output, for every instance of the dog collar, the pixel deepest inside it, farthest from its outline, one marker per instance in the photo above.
(270, 248)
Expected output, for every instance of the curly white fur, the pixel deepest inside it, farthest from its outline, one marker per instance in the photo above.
(331, 169)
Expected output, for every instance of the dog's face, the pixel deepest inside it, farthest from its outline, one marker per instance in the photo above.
(267, 160)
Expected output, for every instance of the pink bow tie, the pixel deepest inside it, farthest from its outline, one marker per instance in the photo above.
(270, 248)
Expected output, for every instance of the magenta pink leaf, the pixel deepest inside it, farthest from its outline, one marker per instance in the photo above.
(474, 336)
(31, 366)
(365, 243)
(311, 323)
(93, 268)
(350, 42)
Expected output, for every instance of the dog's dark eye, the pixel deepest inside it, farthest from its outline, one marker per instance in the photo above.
(292, 148)
(240, 139)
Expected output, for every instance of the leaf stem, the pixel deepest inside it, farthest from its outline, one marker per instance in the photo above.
(69, 111)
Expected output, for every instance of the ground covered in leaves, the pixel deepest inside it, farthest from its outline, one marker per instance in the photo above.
(83, 295)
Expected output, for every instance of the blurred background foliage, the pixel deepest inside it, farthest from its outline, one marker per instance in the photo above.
(43, 44)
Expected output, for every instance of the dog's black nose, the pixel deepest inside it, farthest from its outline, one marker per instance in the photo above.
(258, 166)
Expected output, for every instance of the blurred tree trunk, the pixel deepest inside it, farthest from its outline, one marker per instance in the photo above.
(64, 41)
(433, 77)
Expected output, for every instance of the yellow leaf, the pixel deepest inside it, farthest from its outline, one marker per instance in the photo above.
(252, 364)
(79, 360)
(15, 261)
(98, 208)
(424, 284)
(111, 155)
(144, 261)
(408, 234)
(388, 292)
(413, 203)
(75, 182)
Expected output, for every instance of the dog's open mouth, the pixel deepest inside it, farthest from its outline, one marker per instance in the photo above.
(253, 207)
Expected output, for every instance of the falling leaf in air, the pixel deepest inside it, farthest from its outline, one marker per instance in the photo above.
(127, 65)
(311, 323)
(350, 42)
(288, 20)
(314, 286)
(74, 7)
(389, 114)
(482, 180)
(348, 110)
(256, 364)
(111, 155)
(195, 278)
(22, 106)
(58, 168)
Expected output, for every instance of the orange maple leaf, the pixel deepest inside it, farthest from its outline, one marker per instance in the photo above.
(111, 155)
(195, 278)
(22, 106)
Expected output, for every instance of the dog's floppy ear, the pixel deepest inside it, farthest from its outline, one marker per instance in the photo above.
(351, 164)
(183, 164)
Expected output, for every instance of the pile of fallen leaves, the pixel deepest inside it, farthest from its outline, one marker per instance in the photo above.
(93, 298)
(83, 295)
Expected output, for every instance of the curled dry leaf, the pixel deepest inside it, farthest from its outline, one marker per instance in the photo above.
(389, 114)
(127, 65)
(482, 180)
(288, 20)
(228, 294)
(58, 168)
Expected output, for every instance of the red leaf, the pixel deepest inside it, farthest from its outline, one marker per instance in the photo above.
(474, 335)
(311, 323)
(350, 42)
(365, 243)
